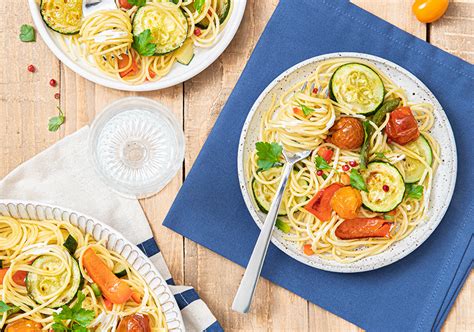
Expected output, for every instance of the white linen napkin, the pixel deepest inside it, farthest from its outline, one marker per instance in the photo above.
(63, 175)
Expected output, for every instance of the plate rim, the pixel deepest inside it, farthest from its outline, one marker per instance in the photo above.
(217, 50)
(36, 204)
(246, 194)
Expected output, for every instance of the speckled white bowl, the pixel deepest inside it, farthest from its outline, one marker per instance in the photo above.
(115, 241)
(203, 57)
(444, 180)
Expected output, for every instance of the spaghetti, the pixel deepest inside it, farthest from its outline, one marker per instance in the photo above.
(55, 277)
(307, 117)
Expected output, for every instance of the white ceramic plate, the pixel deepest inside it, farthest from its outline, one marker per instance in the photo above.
(203, 57)
(115, 241)
(444, 179)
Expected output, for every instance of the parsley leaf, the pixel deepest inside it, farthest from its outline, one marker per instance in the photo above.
(306, 110)
(414, 190)
(137, 3)
(268, 154)
(80, 318)
(4, 307)
(27, 33)
(357, 181)
(282, 226)
(321, 163)
(198, 5)
(56, 121)
(142, 43)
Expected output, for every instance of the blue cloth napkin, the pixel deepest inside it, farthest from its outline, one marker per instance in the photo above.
(413, 294)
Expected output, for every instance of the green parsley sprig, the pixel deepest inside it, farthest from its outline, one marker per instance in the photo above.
(143, 43)
(268, 154)
(357, 181)
(56, 121)
(198, 5)
(77, 317)
(27, 33)
(414, 190)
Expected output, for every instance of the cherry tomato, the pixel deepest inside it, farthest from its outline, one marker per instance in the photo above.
(326, 153)
(320, 204)
(124, 62)
(345, 179)
(125, 4)
(427, 11)
(24, 325)
(134, 323)
(347, 133)
(363, 227)
(19, 278)
(402, 127)
(346, 202)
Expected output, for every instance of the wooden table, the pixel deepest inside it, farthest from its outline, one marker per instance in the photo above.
(27, 102)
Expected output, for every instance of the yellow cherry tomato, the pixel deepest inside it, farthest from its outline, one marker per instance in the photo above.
(24, 325)
(427, 11)
(346, 202)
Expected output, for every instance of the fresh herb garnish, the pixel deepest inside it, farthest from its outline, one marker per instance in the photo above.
(79, 318)
(138, 3)
(268, 154)
(282, 226)
(306, 110)
(56, 121)
(388, 217)
(357, 181)
(414, 190)
(27, 33)
(142, 43)
(4, 307)
(321, 163)
(381, 155)
(198, 5)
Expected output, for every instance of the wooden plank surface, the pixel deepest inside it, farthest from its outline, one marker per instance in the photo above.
(26, 103)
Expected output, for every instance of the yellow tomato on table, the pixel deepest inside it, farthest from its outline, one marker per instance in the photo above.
(428, 11)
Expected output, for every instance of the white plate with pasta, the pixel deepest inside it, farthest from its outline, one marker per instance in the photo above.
(55, 258)
(143, 45)
(382, 169)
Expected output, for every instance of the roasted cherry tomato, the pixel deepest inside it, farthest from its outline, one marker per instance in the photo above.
(402, 127)
(24, 325)
(320, 204)
(363, 227)
(346, 202)
(134, 323)
(18, 277)
(347, 133)
(125, 4)
(427, 11)
(308, 250)
(326, 153)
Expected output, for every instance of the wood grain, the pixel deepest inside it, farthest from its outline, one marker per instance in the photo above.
(26, 103)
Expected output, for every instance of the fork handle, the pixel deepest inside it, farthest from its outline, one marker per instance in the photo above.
(244, 295)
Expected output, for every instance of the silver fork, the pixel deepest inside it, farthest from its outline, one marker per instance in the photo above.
(244, 295)
(91, 6)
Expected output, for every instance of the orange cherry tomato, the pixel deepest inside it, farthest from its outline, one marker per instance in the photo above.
(363, 227)
(326, 153)
(428, 11)
(125, 4)
(308, 250)
(18, 277)
(347, 133)
(402, 127)
(134, 323)
(346, 202)
(345, 179)
(320, 204)
(24, 325)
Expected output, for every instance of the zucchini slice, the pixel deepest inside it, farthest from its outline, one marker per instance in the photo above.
(62, 16)
(119, 270)
(414, 168)
(358, 87)
(185, 53)
(377, 175)
(70, 244)
(222, 10)
(167, 23)
(40, 286)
